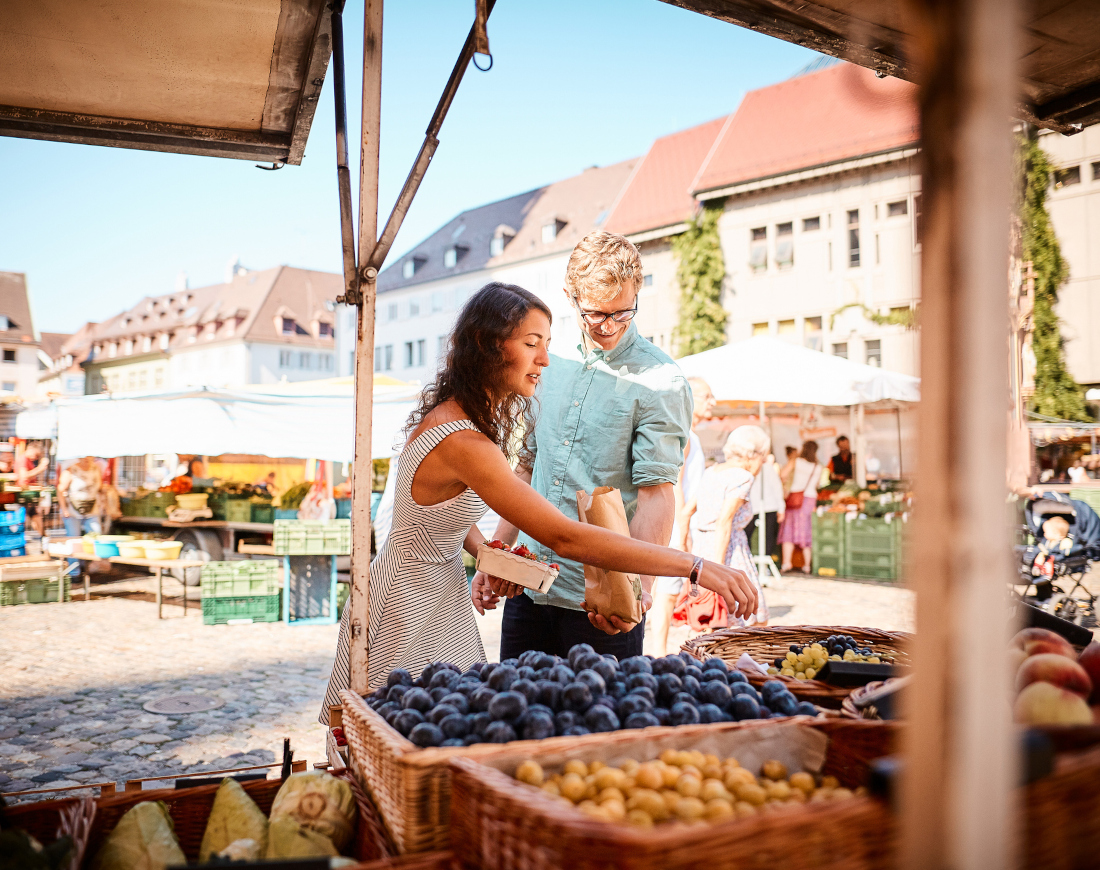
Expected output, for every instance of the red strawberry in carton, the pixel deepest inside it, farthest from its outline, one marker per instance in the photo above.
(518, 565)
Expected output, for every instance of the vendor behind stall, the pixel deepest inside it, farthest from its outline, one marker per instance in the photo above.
(78, 496)
(30, 469)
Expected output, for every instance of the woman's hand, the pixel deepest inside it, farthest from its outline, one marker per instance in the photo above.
(481, 593)
(614, 625)
(735, 587)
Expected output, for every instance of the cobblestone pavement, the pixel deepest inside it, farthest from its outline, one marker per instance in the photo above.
(75, 677)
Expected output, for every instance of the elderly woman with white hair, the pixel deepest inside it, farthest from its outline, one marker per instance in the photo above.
(723, 510)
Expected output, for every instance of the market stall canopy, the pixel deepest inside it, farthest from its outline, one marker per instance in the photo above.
(192, 77)
(1059, 48)
(277, 421)
(766, 369)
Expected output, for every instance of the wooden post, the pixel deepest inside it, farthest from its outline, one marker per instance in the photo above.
(961, 756)
(362, 474)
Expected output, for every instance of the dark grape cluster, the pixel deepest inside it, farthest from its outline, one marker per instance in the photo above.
(539, 695)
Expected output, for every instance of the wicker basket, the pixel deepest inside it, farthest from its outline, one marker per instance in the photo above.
(770, 642)
(190, 810)
(412, 787)
(505, 825)
(848, 708)
(47, 820)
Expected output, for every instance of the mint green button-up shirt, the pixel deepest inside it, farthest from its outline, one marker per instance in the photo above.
(617, 418)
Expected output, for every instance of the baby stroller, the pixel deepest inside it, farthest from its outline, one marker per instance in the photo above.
(1047, 568)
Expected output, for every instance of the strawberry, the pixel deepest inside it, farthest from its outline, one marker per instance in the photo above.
(555, 566)
(522, 550)
(498, 545)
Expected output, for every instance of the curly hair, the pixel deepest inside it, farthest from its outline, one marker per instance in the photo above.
(471, 372)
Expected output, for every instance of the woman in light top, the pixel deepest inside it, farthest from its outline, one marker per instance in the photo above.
(797, 528)
(723, 510)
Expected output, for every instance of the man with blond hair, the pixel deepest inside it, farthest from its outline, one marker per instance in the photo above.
(616, 414)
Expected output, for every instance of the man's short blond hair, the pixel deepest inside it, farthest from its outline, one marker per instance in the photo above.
(601, 265)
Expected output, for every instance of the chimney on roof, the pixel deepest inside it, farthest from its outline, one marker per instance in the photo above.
(181, 281)
(234, 268)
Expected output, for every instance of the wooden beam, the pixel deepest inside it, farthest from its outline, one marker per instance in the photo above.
(961, 757)
(362, 473)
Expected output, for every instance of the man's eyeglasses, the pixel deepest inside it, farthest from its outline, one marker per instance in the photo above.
(595, 318)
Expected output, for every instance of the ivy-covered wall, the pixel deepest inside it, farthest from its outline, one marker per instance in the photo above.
(700, 272)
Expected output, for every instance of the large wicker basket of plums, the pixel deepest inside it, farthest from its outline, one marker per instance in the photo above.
(766, 644)
(402, 736)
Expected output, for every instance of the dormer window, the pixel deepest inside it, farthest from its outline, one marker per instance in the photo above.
(290, 326)
(147, 344)
(453, 254)
(551, 229)
(325, 330)
(164, 341)
(502, 235)
(412, 265)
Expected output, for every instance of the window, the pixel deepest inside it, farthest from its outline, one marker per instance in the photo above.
(9, 356)
(289, 326)
(830, 256)
(437, 300)
(916, 219)
(164, 341)
(131, 381)
(129, 346)
(142, 375)
(897, 209)
(147, 344)
(5, 324)
(326, 360)
(8, 386)
(853, 238)
(414, 308)
(786, 327)
(811, 333)
(325, 330)
(408, 354)
(388, 349)
(758, 249)
(878, 252)
(840, 349)
(158, 377)
(873, 351)
(760, 329)
(453, 255)
(496, 246)
(285, 358)
(1066, 177)
(351, 360)
(420, 351)
(391, 311)
(441, 346)
(112, 349)
(647, 280)
(408, 268)
(784, 245)
(550, 231)
(811, 224)
(305, 360)
(379, 358)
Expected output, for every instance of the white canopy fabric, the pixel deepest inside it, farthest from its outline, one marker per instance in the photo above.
(767, 369)
(284, 421)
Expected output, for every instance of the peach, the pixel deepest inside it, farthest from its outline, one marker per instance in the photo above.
(1036, 641)
(1044, 704)
(1056, 670)
(1090, 661)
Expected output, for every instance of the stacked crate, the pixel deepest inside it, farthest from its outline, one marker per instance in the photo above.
(875, 548)
(310, 548)
(240, 592)
(13, 532)
(829, 543)
(313, 537)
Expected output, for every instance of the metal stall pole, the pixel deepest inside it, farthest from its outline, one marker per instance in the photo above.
(961, 758)
(362, 471)
(765, 567)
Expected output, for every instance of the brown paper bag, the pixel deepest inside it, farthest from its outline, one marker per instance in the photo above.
(609, 593)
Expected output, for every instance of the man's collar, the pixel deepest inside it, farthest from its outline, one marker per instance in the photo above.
(609, 356)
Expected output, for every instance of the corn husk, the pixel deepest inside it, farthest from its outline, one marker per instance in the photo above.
(287, 839)
(318, 801)
(143, 839)
(233, 817)
(242, 850)
(609, 593)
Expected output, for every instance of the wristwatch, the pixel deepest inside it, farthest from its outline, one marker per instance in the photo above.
(693, 577)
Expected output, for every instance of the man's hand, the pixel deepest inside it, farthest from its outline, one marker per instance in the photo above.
(614, 625)
(503, 587)
(481, 593)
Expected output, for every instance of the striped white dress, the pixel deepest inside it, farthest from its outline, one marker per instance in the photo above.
(420, 608)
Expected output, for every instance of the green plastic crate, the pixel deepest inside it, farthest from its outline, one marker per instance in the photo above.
(43, 591)
(263, 512)
(1089, 495)
(249, 577)
(251, 608)
(830, 563)
(238, 510)
(312, 537)
(871, 573)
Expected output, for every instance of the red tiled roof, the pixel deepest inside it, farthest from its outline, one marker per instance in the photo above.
(841, 112)
(659, 192)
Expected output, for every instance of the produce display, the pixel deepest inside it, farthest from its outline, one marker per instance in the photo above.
(804, 662)
(680, 786)
(539, 695)
(1054, 685)
(312, 816)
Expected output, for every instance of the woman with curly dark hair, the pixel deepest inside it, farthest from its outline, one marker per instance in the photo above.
(454, 464)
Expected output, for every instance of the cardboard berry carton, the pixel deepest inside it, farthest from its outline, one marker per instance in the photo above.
(517, 566)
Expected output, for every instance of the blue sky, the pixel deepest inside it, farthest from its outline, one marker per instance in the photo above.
(574, 83)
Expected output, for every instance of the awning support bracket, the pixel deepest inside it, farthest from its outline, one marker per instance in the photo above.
(352, 295)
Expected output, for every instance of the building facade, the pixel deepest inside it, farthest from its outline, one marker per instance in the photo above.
(260, 327)
(1074, 205)
(19, 347)
(524, 240)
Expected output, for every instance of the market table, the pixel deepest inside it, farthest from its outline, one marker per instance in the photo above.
(157, 564)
